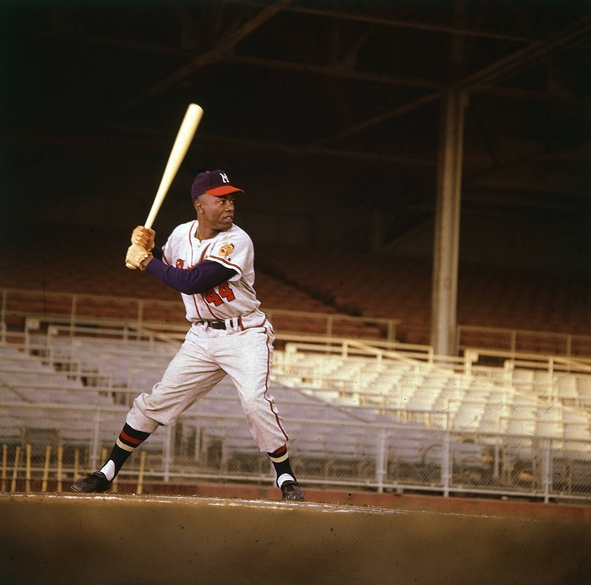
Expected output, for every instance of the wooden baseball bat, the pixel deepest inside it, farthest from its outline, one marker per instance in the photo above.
(177, 154)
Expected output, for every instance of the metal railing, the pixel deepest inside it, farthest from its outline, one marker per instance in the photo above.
(362, 361)
(472, 362)
(378, 353)
(74, 309)
(518, 340)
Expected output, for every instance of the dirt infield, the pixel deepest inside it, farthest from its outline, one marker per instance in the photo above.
(167, 540)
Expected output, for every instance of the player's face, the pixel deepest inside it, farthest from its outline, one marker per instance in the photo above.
(215, 213)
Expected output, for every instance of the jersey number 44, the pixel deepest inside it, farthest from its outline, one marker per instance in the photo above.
(217, 298)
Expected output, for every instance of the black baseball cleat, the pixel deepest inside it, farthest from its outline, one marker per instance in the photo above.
(94, 483)
(291, 491)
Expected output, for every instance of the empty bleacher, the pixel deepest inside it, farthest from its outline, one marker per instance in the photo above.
(494, 300)
(352, 418)
(105, 289)
(515, 401)
(24, 378)
(400, 288)
(213, 431)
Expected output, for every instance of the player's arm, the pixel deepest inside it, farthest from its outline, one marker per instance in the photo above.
(200, 279)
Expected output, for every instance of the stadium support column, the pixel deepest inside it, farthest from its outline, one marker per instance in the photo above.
(447, 224)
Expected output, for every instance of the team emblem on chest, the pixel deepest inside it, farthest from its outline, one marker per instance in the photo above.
(225, 250)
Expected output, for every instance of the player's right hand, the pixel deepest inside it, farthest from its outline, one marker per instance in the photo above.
(136, 255)
(144, 237)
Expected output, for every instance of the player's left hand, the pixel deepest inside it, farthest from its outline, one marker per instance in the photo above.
(136, 255)
(144, 237)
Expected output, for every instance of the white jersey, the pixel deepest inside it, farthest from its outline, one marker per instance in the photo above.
(232, 249)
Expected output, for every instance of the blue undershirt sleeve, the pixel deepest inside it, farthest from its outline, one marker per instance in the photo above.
(200, 279)
(157, 252)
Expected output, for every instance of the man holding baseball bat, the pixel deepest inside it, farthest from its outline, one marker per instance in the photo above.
(210, 261)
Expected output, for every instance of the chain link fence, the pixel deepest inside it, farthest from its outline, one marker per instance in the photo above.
(47, 447)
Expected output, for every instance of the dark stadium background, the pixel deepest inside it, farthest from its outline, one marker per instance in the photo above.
(326, 112)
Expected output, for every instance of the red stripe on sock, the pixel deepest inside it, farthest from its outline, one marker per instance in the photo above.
(129, 439)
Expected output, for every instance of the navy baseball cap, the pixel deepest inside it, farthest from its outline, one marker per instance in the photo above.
(213, 183)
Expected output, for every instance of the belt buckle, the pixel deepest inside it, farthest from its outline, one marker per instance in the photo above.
(218, 325)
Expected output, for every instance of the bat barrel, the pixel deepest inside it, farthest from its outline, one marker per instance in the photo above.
(177, 154)
(180, 147)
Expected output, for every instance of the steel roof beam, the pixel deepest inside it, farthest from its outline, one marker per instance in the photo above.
(524, 58)
(225, 44)
(392, 22)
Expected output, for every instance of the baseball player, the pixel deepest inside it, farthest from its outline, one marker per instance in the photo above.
(210, 261)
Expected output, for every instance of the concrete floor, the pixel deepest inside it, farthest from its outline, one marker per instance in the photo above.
(168, 540)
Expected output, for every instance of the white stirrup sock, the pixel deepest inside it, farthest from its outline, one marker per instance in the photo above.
(283, 478)
(109, 470)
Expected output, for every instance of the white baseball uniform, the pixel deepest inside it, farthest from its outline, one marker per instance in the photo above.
(232, 249)
(229, 335)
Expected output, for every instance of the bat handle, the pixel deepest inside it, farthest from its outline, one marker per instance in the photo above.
(148, 225)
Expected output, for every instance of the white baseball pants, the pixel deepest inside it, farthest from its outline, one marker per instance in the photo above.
(205, 357)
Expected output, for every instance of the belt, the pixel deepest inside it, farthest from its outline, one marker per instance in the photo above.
(222, 324)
